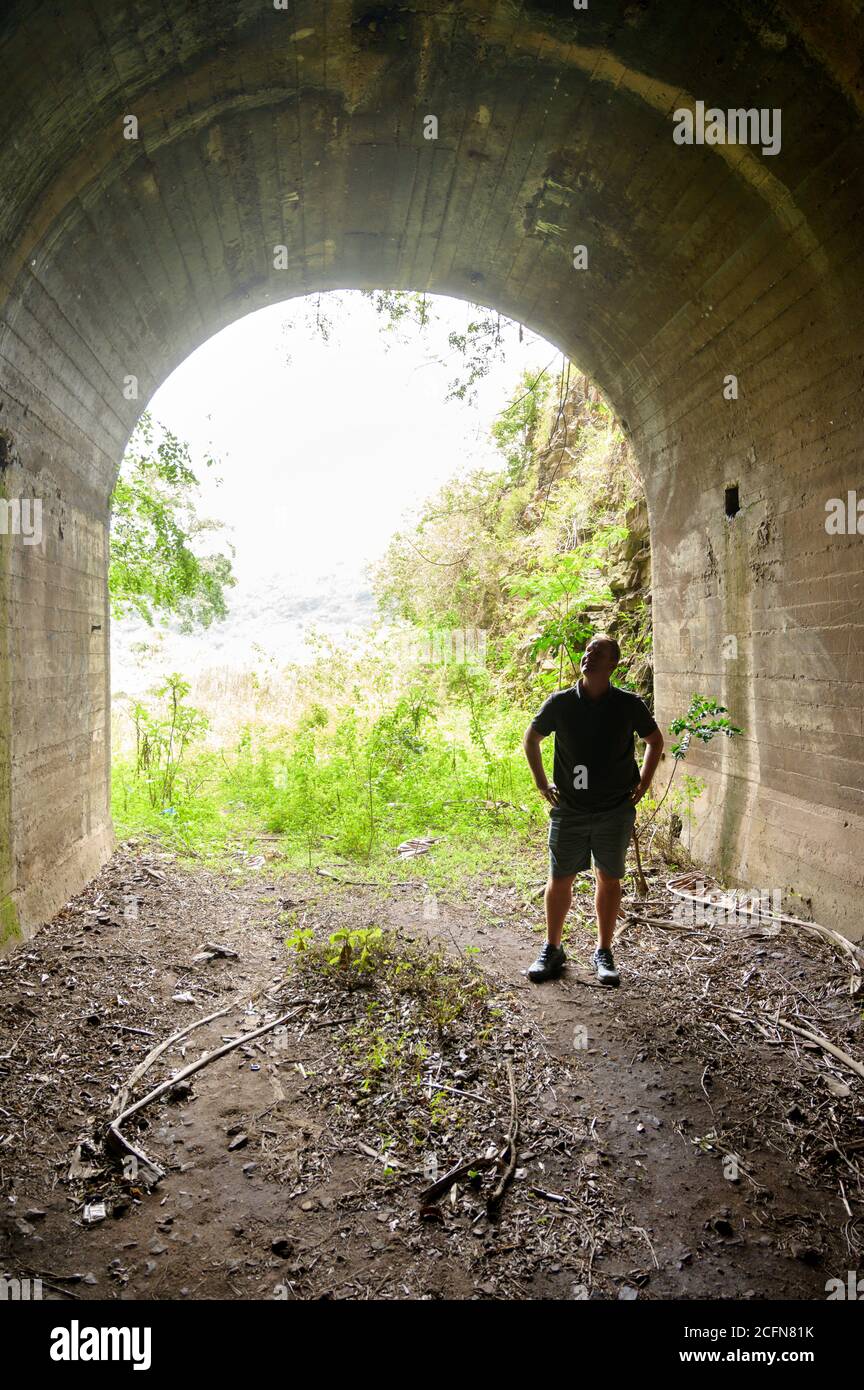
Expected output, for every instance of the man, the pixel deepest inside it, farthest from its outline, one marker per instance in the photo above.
(593, 797)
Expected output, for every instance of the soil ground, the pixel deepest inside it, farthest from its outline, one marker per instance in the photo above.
(272, 1190)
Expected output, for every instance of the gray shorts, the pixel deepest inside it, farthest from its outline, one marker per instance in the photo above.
(576, 836)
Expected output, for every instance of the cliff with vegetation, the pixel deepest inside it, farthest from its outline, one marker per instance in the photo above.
(539, 555)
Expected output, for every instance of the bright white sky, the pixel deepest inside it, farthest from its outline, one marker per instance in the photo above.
(324, 446)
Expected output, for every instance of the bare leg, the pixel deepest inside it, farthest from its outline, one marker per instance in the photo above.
(607, 900)
(559, 895)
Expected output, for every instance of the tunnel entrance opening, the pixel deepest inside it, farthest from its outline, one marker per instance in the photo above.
(527, 535)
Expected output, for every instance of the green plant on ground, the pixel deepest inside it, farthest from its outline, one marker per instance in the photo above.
(355, 948)
(162, 738)
(704, 720)
(300, 939)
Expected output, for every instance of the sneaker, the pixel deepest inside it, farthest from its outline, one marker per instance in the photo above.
(607, 972)
(548, 964)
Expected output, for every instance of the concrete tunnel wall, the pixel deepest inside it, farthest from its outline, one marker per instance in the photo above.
(304, 127)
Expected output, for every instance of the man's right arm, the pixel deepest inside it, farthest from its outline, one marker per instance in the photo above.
(531, 743)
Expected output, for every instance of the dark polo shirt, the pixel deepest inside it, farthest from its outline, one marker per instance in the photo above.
(595, 765)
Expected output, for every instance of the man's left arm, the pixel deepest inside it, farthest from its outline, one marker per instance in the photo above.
(653, 749)
(646, 727)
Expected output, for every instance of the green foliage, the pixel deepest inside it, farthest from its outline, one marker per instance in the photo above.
(515, 428)
(377, 749)
(479, 345)
(161, 739)
(392, 756)
(300, 939)
(559, 593)
(704, 718)
(356, 948)
(529, 553)
(155, 564)
(400, 307)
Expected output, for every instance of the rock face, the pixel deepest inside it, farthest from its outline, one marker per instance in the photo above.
(166, 168)
(612, 496)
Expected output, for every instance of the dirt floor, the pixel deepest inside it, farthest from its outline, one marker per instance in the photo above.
(675, 1138)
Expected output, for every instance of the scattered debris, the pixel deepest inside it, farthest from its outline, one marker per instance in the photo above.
(409, 849)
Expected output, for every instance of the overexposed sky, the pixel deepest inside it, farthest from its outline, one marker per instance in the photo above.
(323, 446)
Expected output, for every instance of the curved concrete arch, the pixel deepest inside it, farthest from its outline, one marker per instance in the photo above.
(303, 128)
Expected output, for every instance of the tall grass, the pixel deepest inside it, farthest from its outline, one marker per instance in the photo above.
(367, 755)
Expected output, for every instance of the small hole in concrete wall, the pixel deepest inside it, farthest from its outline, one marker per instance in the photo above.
(733, 506)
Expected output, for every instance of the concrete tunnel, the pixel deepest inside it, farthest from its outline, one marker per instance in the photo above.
(168, 167)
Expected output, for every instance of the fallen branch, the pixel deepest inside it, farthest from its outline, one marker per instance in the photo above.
(641, 921)
(355, 882)
(383, 1158)
(825, 1043)
(472, 1095)
(5, 1055)
(814, 928)
(157, 1051)
(461, 1170)
(113, 1129)
(557, 1198)
(497, 1196)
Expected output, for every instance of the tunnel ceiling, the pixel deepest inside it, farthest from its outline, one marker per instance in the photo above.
(304, 128)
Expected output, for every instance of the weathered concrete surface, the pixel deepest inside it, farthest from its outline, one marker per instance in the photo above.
(305, 128)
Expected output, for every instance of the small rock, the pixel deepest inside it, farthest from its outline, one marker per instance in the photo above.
(182, 1091)
(807, 1254)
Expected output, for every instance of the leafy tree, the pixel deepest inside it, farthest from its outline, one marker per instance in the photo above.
(480, 345)
(515, 428)
(155, 564)
(162, 737)
(560, 592)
